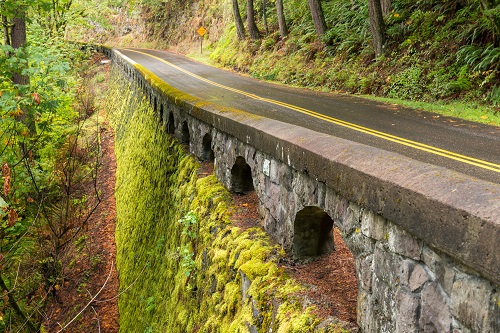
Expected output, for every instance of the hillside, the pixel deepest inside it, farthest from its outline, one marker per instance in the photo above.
(435, 51)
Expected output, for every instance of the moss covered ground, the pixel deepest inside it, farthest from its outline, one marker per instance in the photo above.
(181, 262)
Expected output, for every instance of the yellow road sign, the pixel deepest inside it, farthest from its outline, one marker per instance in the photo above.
(202, 31)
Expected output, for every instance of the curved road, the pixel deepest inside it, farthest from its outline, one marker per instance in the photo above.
(466, 147)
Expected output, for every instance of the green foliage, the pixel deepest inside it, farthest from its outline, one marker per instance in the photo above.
(436, 50)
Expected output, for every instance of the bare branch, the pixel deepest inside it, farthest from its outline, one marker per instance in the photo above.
(90, 302)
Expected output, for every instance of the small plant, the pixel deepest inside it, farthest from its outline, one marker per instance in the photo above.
(188, 222)
(187, 252)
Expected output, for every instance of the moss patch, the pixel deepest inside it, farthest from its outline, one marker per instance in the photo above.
(181, 262)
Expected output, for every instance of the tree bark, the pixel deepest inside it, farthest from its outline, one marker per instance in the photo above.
(377, 26)
(264, 16)
(281, 19)
(386, 6)
(317, 16)
(18, 40)
(240, 29)
(252, 27)
(6, 32)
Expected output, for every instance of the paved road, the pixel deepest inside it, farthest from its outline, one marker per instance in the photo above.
(466, 147)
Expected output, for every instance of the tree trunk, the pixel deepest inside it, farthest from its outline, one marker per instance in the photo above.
(281, 19)
(377, 26)
(317, 16)
(6, 32)
(18, 40)
(252, 27)
(240, 29)
(264, 16)
(386, 7)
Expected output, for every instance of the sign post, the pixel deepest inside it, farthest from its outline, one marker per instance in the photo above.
(201, 32)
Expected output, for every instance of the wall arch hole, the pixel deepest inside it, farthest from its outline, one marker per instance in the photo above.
(241, 177)
(161, 112)
(207, 153)
(185, 133)
(312, 233)
(170, 124)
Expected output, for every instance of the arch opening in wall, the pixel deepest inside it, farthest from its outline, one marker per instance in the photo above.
(185, 133)
(207, 153)
(315, 237)
(312, 233)
(161, 113)
(241, 177)
(170, 124)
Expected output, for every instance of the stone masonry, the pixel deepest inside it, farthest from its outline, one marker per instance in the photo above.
(420, 267)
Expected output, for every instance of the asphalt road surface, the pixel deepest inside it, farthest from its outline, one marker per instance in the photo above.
(466, 147)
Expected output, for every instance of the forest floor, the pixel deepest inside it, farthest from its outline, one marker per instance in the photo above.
(86, 300)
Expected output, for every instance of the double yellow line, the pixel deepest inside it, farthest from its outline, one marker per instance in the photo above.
(389, 137)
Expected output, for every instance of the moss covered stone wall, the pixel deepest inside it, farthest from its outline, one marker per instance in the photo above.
(183, 266)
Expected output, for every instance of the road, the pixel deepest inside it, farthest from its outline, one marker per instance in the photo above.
(462, 146)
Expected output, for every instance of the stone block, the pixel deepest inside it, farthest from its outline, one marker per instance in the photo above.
(274, 171)
(331, 199)
(274, 199)
(365, 315)
(441, 266)
(387, 266)
(364, 268)
(321, 191)
(305, 189)
(435, 313)
(407, 311)
(285, 176)
(384, 307)
(373, 226)
(359, 244)
(402, 242)
(470, 303)
(418, 278)
(349, 217)
(245, 285)
(405, 271)
(266, 167)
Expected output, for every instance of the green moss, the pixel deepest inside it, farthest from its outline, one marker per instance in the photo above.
(156, 186)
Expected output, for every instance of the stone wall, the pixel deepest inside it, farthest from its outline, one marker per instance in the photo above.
(425, 240)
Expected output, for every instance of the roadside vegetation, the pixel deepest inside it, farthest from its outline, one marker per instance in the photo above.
(439, 55)
(50, 153)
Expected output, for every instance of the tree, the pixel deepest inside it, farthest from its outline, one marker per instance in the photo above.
(281, 19)
(252, 27)
(238, 22)
(377, 26)
(386, 6)
(317, 16)
(264, 16)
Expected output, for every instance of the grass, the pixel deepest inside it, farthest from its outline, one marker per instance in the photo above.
(468, 111)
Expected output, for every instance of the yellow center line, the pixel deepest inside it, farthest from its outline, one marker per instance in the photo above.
(386, 136)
